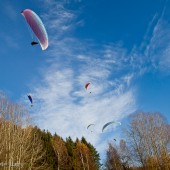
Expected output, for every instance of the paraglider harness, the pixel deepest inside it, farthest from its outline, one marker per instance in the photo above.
(34, 43)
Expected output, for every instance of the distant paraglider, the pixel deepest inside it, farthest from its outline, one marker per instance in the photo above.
(37, 27)
(90, 127)
(87, 85)
(30, 99)
(109, 123)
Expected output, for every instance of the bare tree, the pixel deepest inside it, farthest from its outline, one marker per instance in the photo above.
(113, 161)
(148, 139)
(125, 155)
(21, 147)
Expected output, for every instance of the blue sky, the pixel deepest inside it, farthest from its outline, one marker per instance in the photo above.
(121, 46)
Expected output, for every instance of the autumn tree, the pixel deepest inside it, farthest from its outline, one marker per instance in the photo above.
(25, 147)
(60, 152)
(21, 148)
(125, 155)
(81, 159)
(94, 155)
(113, 161)
(148, 137)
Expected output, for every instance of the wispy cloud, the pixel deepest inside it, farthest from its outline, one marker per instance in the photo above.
(68, 110)
(62, 104)
(60, 20)
(156, 42)
(159, 46)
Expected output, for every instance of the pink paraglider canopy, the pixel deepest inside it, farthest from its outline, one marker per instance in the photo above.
(37, 27)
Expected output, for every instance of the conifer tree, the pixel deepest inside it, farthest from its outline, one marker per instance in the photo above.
(70, 145)
(95, 157)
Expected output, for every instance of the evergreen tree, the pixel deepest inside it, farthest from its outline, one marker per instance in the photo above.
(70, 145)
(94, 154)
(50, 157)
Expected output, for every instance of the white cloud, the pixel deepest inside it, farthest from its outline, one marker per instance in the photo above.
(61, 103)
(156, 44)
(157, 51)
(69, 114)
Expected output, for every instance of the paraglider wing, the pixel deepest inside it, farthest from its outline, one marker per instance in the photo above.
(89, 125)
(86, 86)
(107, 124)
(37, 27)
(30, 98)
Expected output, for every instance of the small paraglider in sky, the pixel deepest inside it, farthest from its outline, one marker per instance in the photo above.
(37, 27)
(109, 123)
(87, 85)
(90, 126)
(30, 99)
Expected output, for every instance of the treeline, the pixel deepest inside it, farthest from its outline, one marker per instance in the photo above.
(146, 145)
(67, 154)
(25, 147)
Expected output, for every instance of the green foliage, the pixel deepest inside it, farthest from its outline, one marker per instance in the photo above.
(70, 145)
(50, 157)
(39, 149)
(95, 155)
